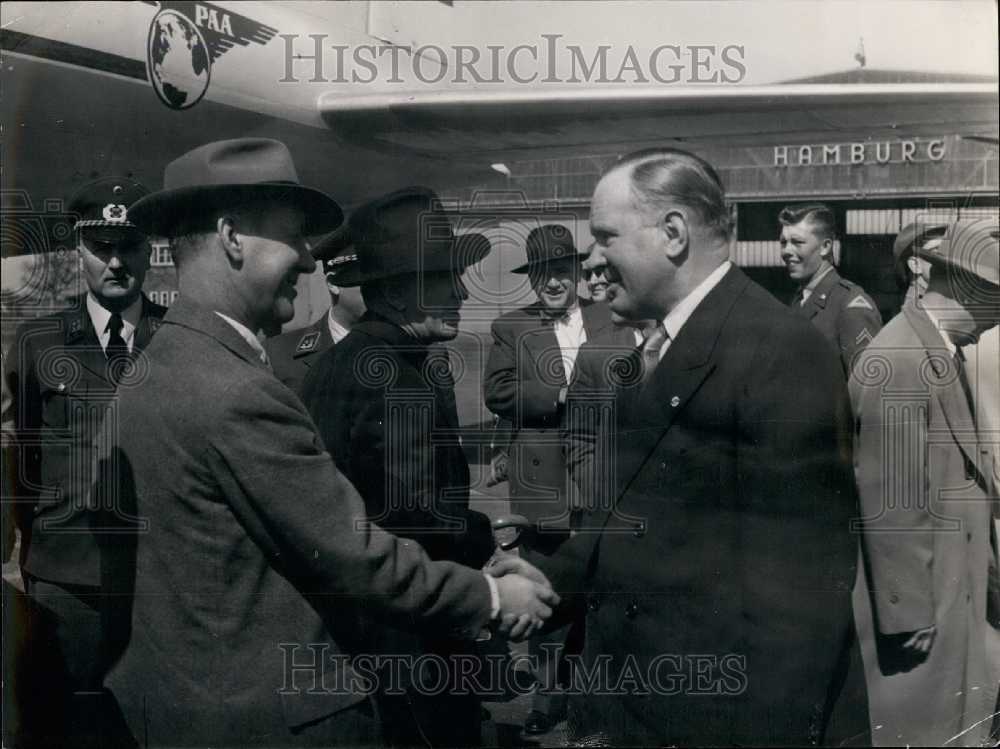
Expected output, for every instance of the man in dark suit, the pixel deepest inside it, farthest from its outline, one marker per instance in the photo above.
(526, 380)
(841, 310)
(383, 401)
(64, 376)
(929, 484)
(253, 558)
(719, 586)
(292, 354)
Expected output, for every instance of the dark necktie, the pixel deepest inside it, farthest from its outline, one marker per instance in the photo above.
(117, 350)
(964, 382)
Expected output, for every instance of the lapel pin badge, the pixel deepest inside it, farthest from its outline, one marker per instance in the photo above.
(675, 401)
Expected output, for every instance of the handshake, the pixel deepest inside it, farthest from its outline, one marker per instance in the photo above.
(526, 596)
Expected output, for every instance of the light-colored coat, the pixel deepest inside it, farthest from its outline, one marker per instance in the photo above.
(925, 486)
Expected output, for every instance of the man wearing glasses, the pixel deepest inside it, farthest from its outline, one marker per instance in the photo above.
(64, 373)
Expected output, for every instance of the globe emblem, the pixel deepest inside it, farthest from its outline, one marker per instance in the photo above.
(178, 60)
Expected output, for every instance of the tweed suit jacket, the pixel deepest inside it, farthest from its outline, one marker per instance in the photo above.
(252, 554)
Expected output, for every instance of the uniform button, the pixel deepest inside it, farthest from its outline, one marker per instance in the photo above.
(593, 603)
(663, 466)
(632, 610)
(894, 598)
(536, 462)
(640, 529)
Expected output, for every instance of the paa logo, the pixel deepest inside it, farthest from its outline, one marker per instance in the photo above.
(185, 38)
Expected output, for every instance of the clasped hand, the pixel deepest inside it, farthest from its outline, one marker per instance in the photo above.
(526, 596)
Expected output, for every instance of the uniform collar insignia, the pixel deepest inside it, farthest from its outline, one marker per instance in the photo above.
(308, 343)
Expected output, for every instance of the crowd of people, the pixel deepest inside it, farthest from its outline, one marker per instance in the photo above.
(739, 521)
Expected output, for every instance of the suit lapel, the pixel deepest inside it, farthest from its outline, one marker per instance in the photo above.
(685, 366)
(149, 323)
(543, 346)
(942, 373)
(325, 342)
(83, 339)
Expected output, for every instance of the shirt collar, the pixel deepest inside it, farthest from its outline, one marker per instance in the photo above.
(679, 315)
(100, 316)
(573, 317)
(337, 331)
(814, 281)
(247, 335)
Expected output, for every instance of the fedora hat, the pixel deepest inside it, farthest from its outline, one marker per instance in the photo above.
(971, 246)
(546, 244)
(403, 232)
(915, 234)
(225, 174)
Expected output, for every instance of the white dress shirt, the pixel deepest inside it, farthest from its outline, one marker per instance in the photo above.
(100, 317)
(337, 331)
(679, 315)
(571, 335)
(247, 335)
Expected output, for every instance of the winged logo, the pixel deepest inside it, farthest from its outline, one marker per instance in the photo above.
(185, 38)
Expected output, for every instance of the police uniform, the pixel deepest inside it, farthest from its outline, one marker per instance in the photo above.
(64, 387)
(293, 353)
(843, 312)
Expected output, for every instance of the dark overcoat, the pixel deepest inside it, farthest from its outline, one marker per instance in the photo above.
(718, 591)
(524, 374)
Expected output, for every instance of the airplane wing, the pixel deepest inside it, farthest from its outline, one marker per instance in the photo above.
(483, 125)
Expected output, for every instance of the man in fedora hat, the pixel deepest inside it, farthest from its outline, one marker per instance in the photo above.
(383, 400)
(912, 269)
(928, 510)
(64, 375)
(251, 557)
(293, 353)
(527, 376)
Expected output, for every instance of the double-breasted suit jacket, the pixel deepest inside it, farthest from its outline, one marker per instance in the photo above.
(62, 392)
(523, 377)
(254, 553)
(718, 591)
(927, 482)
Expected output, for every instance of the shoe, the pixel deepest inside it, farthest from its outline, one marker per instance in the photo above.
(537, 723)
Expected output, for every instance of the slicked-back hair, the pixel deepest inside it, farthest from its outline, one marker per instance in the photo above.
(818, 214)
(661, 176)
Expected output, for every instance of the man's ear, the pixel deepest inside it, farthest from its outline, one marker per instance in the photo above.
(229, 238)
(826, 250)
(915, 266)
(676, 235)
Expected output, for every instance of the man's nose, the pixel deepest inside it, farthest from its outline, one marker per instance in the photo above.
(594, 258)
(307, 263)
(115, 262)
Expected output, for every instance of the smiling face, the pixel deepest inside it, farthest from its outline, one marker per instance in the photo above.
(114, 265)
(597, 284)
(629, 247)
(555, 283)
(276, 253)
(803, 252)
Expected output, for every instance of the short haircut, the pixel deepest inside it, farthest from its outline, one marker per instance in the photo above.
(818, 214)
(669, 175)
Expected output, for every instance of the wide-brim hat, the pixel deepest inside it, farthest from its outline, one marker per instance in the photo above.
(546, 244)
(102, 208)
(404, 232)
(970, 247)
(226, 174)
